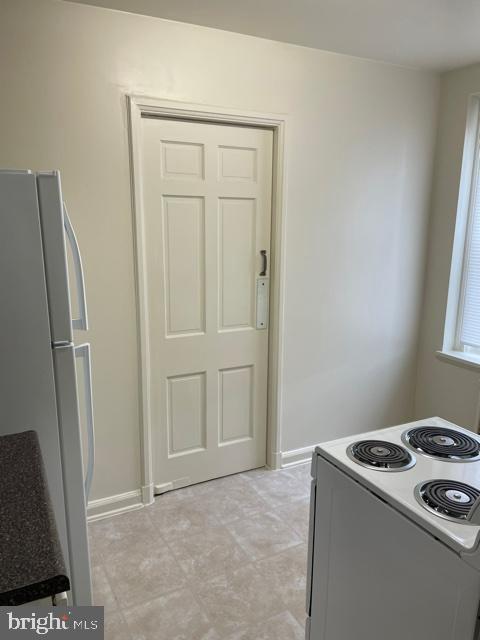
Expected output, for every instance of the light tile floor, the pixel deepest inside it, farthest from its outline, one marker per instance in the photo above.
(222, 560)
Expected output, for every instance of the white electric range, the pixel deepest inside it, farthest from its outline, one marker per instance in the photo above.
(394, 535)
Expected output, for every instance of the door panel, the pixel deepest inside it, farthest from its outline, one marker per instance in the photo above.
(182, 160)
(206, 193)
(237, 163)
(237, 235)
(236, 404)
(184, 246)
(186, 413)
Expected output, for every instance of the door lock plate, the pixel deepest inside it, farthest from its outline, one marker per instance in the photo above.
(262, 303)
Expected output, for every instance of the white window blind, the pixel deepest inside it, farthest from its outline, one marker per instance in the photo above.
(469, 334)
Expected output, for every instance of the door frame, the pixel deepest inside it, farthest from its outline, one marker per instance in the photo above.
(138, 106)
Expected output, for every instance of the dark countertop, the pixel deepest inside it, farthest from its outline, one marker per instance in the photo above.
(31, 560)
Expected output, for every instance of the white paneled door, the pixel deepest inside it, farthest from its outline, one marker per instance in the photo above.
(206, 192)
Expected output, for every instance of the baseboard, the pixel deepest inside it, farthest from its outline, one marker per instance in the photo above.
(274, 460)
(147, 494)
(114, 505)
(296, 456)
(132, 500)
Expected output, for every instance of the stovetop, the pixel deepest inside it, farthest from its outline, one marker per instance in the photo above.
(408, 484)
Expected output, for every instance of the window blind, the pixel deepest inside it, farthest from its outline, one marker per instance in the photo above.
(470, 313)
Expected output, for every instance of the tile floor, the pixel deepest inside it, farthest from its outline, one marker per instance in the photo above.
(222, 560)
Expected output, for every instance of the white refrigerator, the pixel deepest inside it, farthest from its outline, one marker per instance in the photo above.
(38, 357)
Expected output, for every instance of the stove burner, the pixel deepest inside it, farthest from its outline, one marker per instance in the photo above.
(438, 442)
(380, 455)
(447, 498)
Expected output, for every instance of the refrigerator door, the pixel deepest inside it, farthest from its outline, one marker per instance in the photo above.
(53, 233)
(27, 385)
(70, 443)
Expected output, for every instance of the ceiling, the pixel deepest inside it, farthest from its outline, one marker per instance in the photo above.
(430, 34)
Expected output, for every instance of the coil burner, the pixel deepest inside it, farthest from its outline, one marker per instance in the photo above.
(381, 455)
(439, 442)
(447, 498)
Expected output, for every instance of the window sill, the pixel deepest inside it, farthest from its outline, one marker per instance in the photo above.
(460, 358)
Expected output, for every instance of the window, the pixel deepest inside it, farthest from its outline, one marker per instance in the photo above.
(462, 328)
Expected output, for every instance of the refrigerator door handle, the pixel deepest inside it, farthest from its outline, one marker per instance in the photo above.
(82, 321)
(83, 351)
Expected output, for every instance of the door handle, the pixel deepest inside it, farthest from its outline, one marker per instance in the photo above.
(82, 321)
(83, 351)
(263, 253)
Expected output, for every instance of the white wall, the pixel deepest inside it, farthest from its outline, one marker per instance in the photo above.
(359, 161)
(446, 389)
